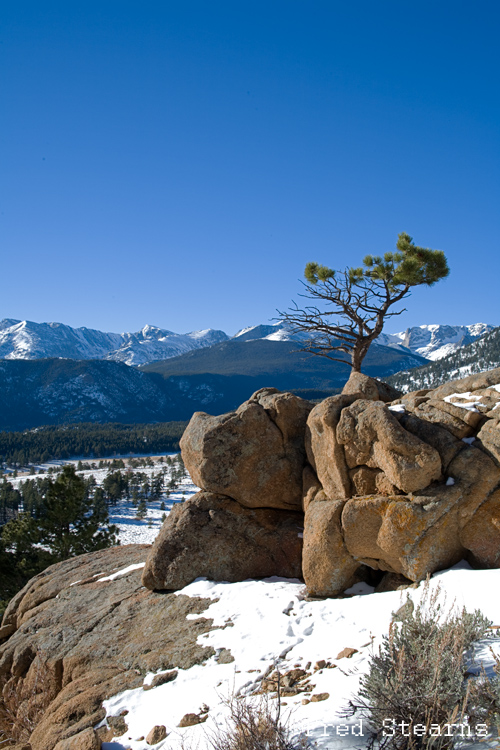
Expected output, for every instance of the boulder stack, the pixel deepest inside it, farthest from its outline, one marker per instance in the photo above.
(370, 478)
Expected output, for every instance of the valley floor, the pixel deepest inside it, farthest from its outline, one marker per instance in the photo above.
(132, 530)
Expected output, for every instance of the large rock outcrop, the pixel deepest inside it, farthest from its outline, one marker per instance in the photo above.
(408, 486)
(78, 638)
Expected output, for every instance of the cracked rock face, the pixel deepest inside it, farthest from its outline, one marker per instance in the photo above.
(371, 436)
(76, 645)
(254, 455)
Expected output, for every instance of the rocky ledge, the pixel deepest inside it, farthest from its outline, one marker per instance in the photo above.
(83, 631)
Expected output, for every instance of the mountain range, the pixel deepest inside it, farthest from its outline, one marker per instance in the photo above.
(28, 340)
(60, 391)
(23, 339)
(54, 374)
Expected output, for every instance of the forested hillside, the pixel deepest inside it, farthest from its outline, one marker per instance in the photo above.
(88, 440)
(479, 356)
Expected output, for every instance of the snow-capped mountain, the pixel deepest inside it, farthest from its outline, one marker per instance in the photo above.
(273, 332)
(28, 340)
(153, 343)
(429, 341)
(434, 341)
(479, 356)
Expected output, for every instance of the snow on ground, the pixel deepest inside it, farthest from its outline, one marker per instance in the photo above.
(132, 530)
(274, 625)
(268, 624)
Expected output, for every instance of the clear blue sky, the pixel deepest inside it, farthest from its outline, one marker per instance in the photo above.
(178, 163)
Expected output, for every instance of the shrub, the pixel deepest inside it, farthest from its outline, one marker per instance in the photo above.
(419, 685)
(255, 726)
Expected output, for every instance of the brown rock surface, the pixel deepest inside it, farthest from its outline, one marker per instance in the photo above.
(311, 488)
(190, 720)
(441, 439)
(157, 734)
(372, 436)
(361, 523)
(481, 535)
(432, 412)
(254, 455)
(470, 383)
(205, 536)
(86, 740)
(317, 697)
(488, 438)
(84, 643)
(347, 653)
(471, 418)
(476, 475)
(163, 678)
(366, 481)
(327, 566)
(324, 452)
(370, 388)
(410, 537)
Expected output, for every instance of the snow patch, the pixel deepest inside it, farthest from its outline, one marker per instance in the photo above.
(121, 572)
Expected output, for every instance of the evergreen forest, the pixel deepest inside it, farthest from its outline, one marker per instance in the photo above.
(87, 440)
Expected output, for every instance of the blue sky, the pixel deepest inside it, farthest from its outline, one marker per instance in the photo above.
(178, 163)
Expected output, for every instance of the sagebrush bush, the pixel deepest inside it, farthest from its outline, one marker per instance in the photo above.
(419, 682)
(255, 726)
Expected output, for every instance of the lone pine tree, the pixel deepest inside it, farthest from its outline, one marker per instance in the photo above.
(351, 305)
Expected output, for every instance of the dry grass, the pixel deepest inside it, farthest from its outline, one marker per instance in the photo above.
(24, 702)
(255, 726)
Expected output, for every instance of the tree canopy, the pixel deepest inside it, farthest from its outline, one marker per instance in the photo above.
(351, 305)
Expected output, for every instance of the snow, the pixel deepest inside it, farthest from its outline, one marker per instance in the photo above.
(472, 401)
(434, 341)
(274, 625)
(121, 572)
(131, 530)
(398, 408)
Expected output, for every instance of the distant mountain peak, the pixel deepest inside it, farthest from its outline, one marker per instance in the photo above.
(28, 340)
(434, 341)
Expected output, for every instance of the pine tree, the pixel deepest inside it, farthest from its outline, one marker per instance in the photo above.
(362, 297)
(141, 509)
(72, 524)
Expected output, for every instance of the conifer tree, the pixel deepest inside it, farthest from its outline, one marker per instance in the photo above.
(352, 305)
(72, 524)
